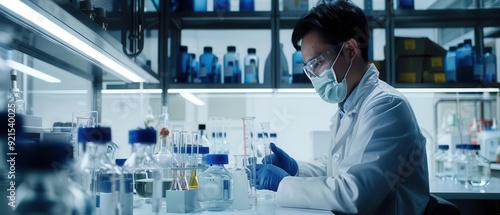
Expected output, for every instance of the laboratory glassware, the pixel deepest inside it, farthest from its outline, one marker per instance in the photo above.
(249, 150)
(94, 167)
(194, 70)
(266, 137)
(183, 65)
(165, 156)
(465, 62)
(200, 5)
(45, 189)
(215, 186)
(221, 5)
(144, 168)
(15, 98)
(459, 169)
(203, 135)
(490, 66)
(232, 73)
(247, 5)
(450, 65)
(242, 192)
(208, 64)
(478, 170)
(444, 163)
(251, 67)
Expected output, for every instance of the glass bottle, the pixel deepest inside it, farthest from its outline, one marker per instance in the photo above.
(194, 77)
(450, 65)
(232, 73)
(241, 186)
(44, 169)
(208, 64)
(477, 167)
(406, 5)
(465, 62)
(146, 172)
(251, 67)
(490, 66)
(203, 135)
(221, 5)
(200, 5)
(215, 185)
(183, 65)
(459, 166)
(94, 167)
(444, 161)
(15, 99)
(247, 5)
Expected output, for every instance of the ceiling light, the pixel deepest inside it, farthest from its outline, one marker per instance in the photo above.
(220, 90)
(32, 72)
(193, 99)
(131, 91)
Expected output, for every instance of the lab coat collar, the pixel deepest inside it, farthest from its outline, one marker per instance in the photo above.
(366, 85)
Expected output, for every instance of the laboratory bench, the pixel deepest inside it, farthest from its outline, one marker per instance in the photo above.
(470, 200)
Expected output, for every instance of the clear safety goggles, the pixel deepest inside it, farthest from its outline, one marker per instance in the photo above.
(316, 66)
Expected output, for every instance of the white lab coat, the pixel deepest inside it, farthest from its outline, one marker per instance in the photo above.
(377, 162)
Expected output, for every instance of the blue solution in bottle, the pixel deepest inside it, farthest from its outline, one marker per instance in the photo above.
(490, 66)
(298, 75)
(208, 64)
(478, 68)
(251, 67)
(183, 65)
(450, 65)
(194, 69)
(200, 5)
(174, 5)
(465, 62)
(221, 5)
(232, 72)
(247, 5)
(406, 5)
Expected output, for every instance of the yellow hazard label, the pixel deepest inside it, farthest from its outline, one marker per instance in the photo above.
(410, 44)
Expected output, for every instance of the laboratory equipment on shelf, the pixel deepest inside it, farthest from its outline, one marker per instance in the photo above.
(200, 5)
(145, 170)
(406, 5)
(194, 70)
(251, 67)
(465, 62)
(208, 66)
(45, 188)
(215, 185)
(490, 66)
(94, 167)
(15, 98)
(247, 5)
(183, 66)
(221, 5)
(444, 163)
(232, 72)
(489, 140)
(450, 65)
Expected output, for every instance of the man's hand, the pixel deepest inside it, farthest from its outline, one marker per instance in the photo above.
(282, 160)
(269, 177)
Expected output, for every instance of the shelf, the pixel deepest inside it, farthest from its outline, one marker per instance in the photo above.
(288, 19)
(447, 18)
(221, 20)
(84, 47)
(451, 87)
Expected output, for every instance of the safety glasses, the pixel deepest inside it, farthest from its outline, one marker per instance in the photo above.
(316, 66)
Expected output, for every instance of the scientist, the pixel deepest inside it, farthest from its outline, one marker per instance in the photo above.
(376, 163)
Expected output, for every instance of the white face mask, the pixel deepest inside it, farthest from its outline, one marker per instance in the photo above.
(327, 86)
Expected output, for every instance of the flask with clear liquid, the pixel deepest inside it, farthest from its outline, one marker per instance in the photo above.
(94, 167)
(444, 163)
(477, 167)
(215, 185)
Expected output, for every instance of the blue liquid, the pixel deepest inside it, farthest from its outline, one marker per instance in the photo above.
(232, 72)
(406, 5)
(221, 5)
(465, 64)
(298, 75)
(183, 67)
(208, 65)
(450, 67)
(247, 5)
(490, 67)
(200, 5)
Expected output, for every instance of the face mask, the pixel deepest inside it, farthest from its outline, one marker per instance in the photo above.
(327, 86)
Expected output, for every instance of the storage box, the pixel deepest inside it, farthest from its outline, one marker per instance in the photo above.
(406, 46)
(417, 69)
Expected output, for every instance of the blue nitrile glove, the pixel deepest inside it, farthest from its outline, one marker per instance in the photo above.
(269, 177)
(281, 159)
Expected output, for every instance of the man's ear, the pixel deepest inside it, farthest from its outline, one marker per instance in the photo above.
(352, 48)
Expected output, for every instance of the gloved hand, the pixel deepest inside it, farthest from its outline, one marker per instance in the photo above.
(269, 177)
(282, 160)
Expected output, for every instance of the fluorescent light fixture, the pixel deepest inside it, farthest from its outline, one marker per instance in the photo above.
(33, 17)
(130, 91)
(32, 72)
(448, 90)
(58, 92)
(220, 90)
(193, 99)
(296, 90)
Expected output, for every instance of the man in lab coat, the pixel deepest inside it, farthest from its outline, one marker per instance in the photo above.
(377, 162)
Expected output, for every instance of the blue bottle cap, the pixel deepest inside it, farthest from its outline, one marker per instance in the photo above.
(146, 136)
(120, 161)
(473, 147)
(42, 156)
(259, 135)
(100, 135)
(273, 135)
(443, 147)
(460, 146)
(217, 159)
(204, 150)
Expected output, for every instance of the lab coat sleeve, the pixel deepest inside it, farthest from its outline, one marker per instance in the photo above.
(308, 169)
(382, 145)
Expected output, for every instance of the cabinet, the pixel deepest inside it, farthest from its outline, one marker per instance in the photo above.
(387, 19)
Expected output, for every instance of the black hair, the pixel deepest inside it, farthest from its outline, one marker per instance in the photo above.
(337, 21)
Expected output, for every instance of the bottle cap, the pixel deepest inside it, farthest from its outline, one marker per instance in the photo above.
(192, 55)
(146, 136)
(100, 135)
(460, 146)
(202, 126)
(43, 156)
(86, 5)
(120, 161)
(100, 12)
(443, 147)
(453, 48)
(468, 41)
(207, 49)
(231, 48)
(252, 51)
(217, 159)
(183, 49)
(274, 135)
(259, 135)
(488, 49)
(204, 150)
(473, 147)
(460, 45)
